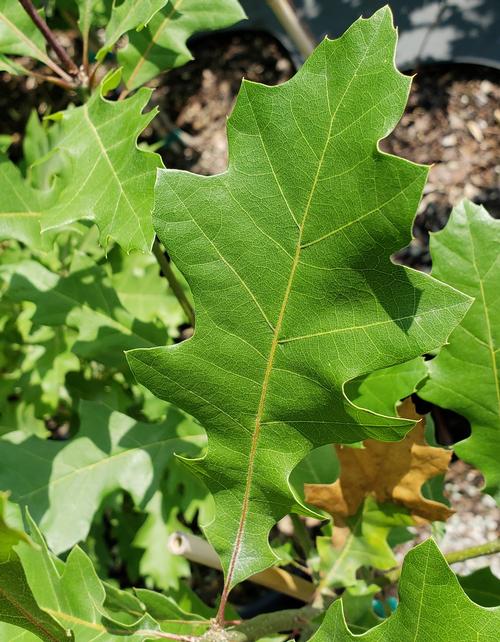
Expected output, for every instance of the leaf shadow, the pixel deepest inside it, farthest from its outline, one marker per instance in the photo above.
(136, 455)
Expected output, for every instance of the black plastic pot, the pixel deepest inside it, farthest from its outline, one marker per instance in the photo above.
(429, 30)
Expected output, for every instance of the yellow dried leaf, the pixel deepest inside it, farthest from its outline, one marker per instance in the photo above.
(391, 472)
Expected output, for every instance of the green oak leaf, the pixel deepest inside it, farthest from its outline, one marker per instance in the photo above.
(192, 615)
(85, 19)
(320, 466)
(18, 34)
(432, 606)
(58, 601)
(15, 634)
(17, 605)
(383, 389)
(365, 546)
(19, 415)
(162, 44)
(162, 568)
(21, 207)
(64, 483)
(110, 180)
(10, 534)
(34, 364)
(357, 603)
(465, 376)
(482, 587)
(180, 494)
(84, 300)
(287, 256)
(43, 163)
(125, 16)
(40, 379)
(135, 278)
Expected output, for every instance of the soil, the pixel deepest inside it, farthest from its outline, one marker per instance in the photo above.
(452, 121)
(196, 99)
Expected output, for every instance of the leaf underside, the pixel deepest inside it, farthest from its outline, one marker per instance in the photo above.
(287, 255)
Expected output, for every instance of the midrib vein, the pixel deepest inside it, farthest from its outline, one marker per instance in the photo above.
(41, 54)
(31, 618)
(154, 39)
(106, 461)
(105, 154)
(275, 342)
(421, 598)
(491, 346)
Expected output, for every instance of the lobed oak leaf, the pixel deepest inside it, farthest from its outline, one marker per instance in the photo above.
(162, 44)
(287, 254)
(465, 376)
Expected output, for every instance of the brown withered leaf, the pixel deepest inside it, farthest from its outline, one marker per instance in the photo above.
(391, 472)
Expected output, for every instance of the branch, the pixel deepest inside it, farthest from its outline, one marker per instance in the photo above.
(290, 22)
(43, 27)
(490, 548)
(268, 624)
(168, 273)
(44, 78)
(474, 551)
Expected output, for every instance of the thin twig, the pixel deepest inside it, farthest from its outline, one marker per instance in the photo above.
(85, 54)
(490, 548)
(44, 78)
(169, 274)
(124, 93)
(287, 16)
(43, 27)
(93, 73)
